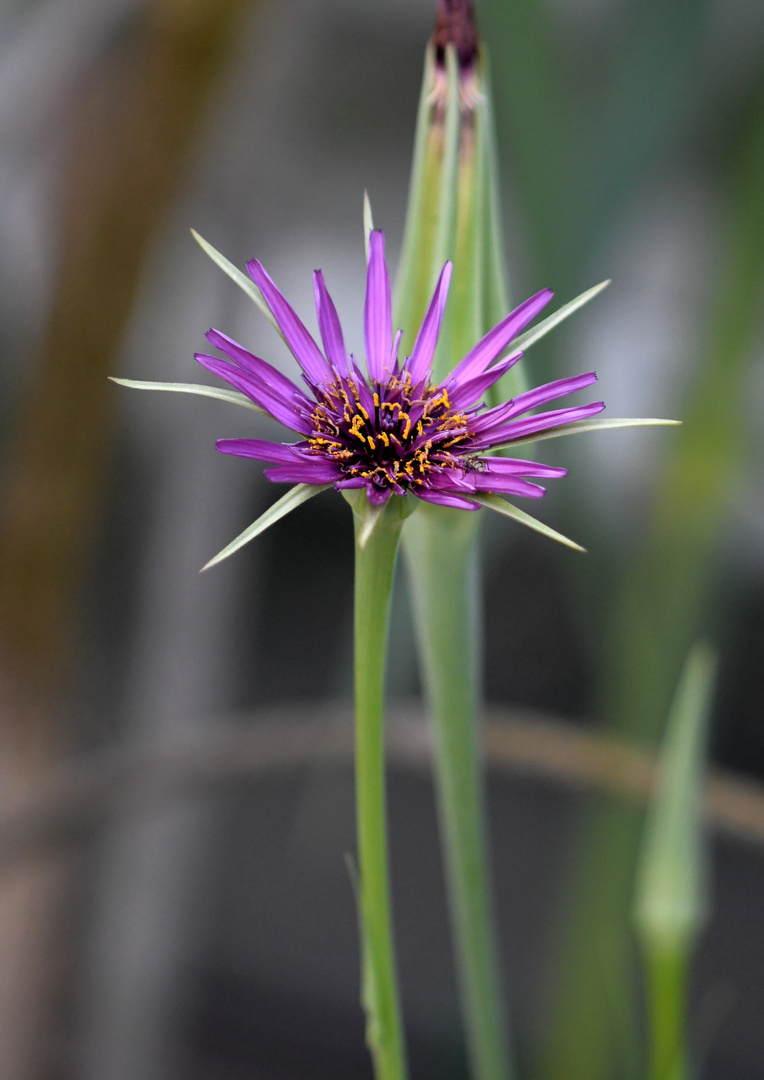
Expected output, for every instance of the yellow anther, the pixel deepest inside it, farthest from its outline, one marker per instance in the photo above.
(419, 428)
(370, 441)
(376, 400)
(408, 424)
(383, 436)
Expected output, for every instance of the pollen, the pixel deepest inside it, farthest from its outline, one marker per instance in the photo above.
(382, 447)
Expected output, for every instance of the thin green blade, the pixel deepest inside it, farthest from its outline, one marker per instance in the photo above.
(501, 506)
(530, 336)
(671, 899)
(241, 279)
(285, 505)
(670, 904)
(233, 397)
(580, 426)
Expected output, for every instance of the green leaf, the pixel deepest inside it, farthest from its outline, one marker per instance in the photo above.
(444, 241)
(414, 270)
(242, 280)
(285, 505)
(580, 426)
(233, 397)
(501, 506)
(671, 898)
(671, 904)
(465, 235)
(495, 298)
(368, 222)
(530, 336)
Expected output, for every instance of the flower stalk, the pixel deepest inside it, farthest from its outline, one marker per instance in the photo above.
(671, 901)
(453, 212)
(375, 554)
(443, 570)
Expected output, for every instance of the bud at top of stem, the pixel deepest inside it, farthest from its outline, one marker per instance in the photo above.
(455, 25)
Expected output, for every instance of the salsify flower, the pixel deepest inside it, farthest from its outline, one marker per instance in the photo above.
(390, 429)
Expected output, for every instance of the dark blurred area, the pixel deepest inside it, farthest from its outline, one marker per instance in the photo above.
(211, 933)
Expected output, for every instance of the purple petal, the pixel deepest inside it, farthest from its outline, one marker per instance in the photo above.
(377, 314)
(440, 498)
(519, 429)
(541, 394)
(377, 496)
(508, 485)
(518, 467)
(329, 325)
(351, 482)
(258, 449)
(262, 395)
(306, 352)
(253, 364)
(420, 361)
(467, 393)
(496, 340)
(323, 472)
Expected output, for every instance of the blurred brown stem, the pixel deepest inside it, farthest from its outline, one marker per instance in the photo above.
(133, 139)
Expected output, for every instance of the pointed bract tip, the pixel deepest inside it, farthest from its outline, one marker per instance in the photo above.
(455, 25)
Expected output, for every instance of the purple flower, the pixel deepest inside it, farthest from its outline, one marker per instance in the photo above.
(390, 430)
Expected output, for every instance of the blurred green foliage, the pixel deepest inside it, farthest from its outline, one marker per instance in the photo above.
(578, 149)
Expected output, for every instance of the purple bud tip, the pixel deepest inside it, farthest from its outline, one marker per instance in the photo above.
(455, 25)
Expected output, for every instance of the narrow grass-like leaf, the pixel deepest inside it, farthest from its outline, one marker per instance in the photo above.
(242, 280)
(285, 505)
(495, 288)
(449, 177)
(496, 303)
(463, 321)
(414, 270)
(368, 222)
(501, 506)
(579, 426)
(233, 397)
(671, 903)
(530, 336)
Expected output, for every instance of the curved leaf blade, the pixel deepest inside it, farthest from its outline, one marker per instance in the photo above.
(295, 497)
(530, 336)
(233, 397)
(242, 280)
(580, 426)
(501, 506)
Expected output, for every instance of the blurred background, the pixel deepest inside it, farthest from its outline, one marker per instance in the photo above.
(175, 785)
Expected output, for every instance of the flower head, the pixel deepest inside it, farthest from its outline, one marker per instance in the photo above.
(390, 430)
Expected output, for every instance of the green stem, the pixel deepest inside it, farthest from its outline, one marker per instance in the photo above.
(666, 971)
(374, 567)
(442, 560)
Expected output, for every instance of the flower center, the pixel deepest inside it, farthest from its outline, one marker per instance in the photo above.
(393, 435)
